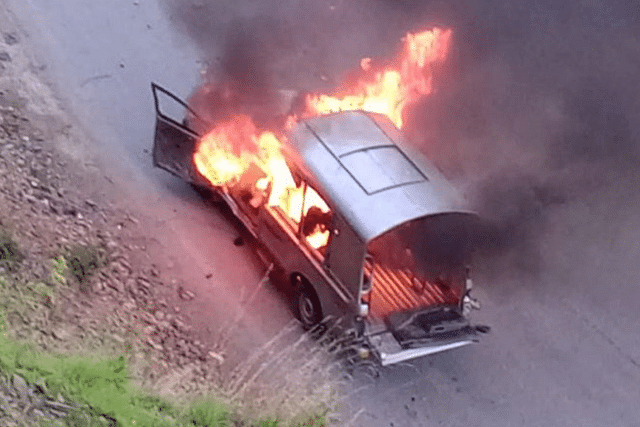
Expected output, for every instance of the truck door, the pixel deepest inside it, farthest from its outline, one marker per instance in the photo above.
(174, 140)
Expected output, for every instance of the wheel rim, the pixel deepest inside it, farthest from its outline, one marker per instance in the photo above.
(307, 310)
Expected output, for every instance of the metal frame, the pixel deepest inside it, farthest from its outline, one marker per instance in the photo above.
(155, 88)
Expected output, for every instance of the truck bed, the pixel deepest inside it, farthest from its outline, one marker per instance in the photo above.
(397, 290)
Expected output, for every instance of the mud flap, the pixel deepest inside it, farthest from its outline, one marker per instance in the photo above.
(174, 142)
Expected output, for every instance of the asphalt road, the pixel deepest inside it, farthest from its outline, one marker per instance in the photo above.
(565, 347)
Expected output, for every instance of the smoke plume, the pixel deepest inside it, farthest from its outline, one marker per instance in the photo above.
(533, 113)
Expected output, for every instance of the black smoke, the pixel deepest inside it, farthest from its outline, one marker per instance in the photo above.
(536, 109)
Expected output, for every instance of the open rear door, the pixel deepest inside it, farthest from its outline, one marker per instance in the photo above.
(174, 142)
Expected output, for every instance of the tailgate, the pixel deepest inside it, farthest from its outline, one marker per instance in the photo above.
(406, 336)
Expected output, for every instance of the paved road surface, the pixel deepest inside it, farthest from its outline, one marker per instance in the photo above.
(565, 347)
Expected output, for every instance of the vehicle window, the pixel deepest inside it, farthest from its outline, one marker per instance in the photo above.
(316, 221)
(289, 202)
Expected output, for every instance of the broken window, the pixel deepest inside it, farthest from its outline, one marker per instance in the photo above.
(289, 203)
(316, 222)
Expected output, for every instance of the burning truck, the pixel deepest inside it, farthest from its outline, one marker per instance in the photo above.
(363, 226)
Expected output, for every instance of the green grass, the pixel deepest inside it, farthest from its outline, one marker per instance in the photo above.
(82, 261)
(102, 389)
(59, 267)
(203, 413)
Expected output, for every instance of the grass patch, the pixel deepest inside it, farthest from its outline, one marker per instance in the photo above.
(59, 270)
(18, 301)
(82, 261)
(102, 390)
(10, 254)
(290, 381)
(104, 395)
(204, 413)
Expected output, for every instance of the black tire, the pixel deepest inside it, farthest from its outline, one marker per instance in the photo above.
(308, 307)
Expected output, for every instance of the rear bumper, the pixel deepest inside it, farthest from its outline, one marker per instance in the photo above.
(389, 352)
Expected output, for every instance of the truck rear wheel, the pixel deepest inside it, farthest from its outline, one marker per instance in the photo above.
(308, 307)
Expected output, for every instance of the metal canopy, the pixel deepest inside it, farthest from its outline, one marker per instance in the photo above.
(363, 166)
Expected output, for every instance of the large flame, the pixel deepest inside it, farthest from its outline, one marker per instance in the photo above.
(390, 89)
(229, 154)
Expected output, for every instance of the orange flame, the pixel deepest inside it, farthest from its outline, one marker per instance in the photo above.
(226, 154)
(390, 90)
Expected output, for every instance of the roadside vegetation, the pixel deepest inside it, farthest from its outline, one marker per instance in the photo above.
(91, 334)
(78, 390)
(10, 255)
(95, 392)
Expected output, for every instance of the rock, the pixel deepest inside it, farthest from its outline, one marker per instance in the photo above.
(179, 325)
(216, 356)
(20, 386)
(69, 210)
(143, 283)
(60, 334)
(130, 286)
(163, 325)
(148, 318)
(116, 285)
(153, 344)
(5, 57)
(37, 413)
(58, 405)
(185, 294)
(123, 266)
(41, 386)
(10, 38)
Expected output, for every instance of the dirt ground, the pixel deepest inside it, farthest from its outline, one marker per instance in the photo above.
(57, 201)
(53, 199)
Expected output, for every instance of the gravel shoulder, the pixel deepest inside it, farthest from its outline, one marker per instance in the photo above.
(54, 199)
(62, 204)
(55, 202)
